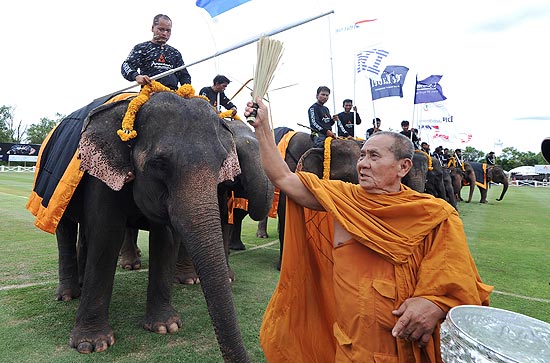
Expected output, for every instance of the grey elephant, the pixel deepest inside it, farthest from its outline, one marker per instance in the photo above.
(417, 177)
(180, 156)
(463, 174)
(483, 175)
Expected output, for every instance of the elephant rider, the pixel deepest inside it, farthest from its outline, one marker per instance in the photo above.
(347, 119)
(490, 158)
(154, 57)
(216, 94)
(388, 262)
(320, 121)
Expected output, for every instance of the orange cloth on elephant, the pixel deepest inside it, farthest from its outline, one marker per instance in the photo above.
(334, 304)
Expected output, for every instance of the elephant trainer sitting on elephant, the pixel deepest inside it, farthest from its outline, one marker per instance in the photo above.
(353, 246)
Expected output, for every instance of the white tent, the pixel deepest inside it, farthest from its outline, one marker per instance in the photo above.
(524, 170)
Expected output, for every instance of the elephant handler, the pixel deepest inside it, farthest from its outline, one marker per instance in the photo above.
(154, 57)
(369, 271)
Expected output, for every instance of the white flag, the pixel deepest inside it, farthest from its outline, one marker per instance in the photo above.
(371, 63)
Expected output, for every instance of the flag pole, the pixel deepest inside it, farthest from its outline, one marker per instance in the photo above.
(227, 50)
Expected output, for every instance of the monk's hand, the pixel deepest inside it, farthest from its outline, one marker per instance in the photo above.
(418, 318)
(258, 110)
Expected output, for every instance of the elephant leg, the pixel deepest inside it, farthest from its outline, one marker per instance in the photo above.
(185, 271)
(483, 193)
(69, 287)
(160, 315)
(130, 253)
(261, 232)
(235, 242)
(103, 226)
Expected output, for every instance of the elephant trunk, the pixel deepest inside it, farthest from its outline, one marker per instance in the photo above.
(260, 198)
(195, 221)
(504, 189)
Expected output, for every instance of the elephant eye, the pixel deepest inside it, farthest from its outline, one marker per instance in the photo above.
(159, 165)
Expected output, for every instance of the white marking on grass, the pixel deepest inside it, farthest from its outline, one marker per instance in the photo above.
(15, 195)
(34, 284)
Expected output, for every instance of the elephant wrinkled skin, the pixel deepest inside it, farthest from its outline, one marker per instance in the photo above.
(181, 154)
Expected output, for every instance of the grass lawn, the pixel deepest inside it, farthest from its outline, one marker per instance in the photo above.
(508, 239)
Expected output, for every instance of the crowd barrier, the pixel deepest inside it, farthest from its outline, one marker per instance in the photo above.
(17, 168)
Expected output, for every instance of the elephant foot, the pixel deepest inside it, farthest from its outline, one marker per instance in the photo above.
(186, 277)
(86, 340)
(483, 201)
(130, 262)
(163, 323)
(231, 275)
(261, 234)
(67, 292)
(237, 246)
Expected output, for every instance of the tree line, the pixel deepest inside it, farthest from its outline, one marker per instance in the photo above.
(17, 132)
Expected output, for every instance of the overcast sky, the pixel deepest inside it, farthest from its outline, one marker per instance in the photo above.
(58, 56)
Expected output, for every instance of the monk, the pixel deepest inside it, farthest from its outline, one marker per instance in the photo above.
(369, 271)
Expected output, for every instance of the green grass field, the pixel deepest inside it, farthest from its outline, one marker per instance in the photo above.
(509, 241)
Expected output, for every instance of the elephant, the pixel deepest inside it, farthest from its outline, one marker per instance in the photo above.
(416, 178)
(494, 173)
(182, 153)
(463, 172)
(439, 182)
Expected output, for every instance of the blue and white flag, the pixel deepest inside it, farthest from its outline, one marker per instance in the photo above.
(216, 7)
(390, 83)
(428, 90)
(371, 63)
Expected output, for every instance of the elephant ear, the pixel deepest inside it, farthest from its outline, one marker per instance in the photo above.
(312, 161)
(230, 166)
(103, 154)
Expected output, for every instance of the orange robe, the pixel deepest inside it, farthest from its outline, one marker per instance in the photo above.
(334, 304)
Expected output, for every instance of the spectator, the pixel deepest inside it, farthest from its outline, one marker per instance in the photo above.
(410, 134)
(376, 122)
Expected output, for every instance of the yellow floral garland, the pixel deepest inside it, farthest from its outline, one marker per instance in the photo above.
(127, 131)
(430, 165)
(326, 161)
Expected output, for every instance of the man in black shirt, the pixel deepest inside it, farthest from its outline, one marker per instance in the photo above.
(154, 57)
(320, 121)
(409, 134)
(347, 119)
(490, 158)
(217, 96)
(376, 122)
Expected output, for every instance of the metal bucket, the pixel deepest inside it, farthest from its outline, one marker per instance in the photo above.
(472, 333)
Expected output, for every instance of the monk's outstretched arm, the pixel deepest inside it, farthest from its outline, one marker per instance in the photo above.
(275, 167)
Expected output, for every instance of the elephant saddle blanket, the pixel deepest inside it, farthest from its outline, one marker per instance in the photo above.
(480, 171)
(57, 172)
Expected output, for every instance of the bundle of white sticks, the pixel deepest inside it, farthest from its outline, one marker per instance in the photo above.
(269, 54)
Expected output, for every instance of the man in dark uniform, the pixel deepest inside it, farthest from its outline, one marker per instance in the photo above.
(409, 134)
(154, 57)
(320, 120)
(490, 158)
(347, 119)
(217, 96)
